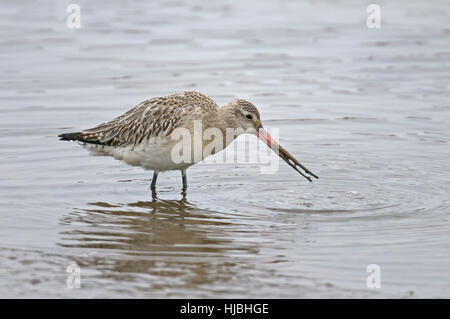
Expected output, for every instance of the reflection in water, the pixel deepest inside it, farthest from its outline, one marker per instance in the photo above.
(170, 240)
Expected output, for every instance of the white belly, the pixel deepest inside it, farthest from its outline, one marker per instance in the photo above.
(155, 154)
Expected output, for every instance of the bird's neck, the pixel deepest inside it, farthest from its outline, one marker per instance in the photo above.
(225, 120)
(225, 117)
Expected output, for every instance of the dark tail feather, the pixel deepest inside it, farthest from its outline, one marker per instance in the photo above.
(78, 136)
(71, 136)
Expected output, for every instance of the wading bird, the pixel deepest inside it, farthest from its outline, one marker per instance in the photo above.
(142, 136)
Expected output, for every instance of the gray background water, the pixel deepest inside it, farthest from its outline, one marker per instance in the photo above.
(368, 110)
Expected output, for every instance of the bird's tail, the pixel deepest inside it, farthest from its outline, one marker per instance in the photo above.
(81, 137)
(77, 136)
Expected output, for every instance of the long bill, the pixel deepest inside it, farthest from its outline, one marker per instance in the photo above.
(285, 155)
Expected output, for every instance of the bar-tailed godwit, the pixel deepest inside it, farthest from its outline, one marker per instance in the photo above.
(142, 136)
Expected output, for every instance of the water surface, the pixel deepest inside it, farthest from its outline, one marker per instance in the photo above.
(367, 110)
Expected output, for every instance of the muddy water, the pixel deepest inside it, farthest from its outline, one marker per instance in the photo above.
(367, 110)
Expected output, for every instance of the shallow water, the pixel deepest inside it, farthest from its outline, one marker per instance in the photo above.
(366, 109)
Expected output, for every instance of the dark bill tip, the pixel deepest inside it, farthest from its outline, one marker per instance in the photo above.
(284, 154)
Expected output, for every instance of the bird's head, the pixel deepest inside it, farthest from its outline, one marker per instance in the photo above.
(243, 114)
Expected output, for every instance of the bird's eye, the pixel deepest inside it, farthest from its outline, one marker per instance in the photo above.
(249, 116)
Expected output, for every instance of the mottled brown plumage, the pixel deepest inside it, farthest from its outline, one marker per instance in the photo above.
(151, 118)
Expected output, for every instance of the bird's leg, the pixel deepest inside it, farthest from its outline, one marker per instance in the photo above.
(183, 175)
(183, 194)
(154, 197)
(155, 177)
